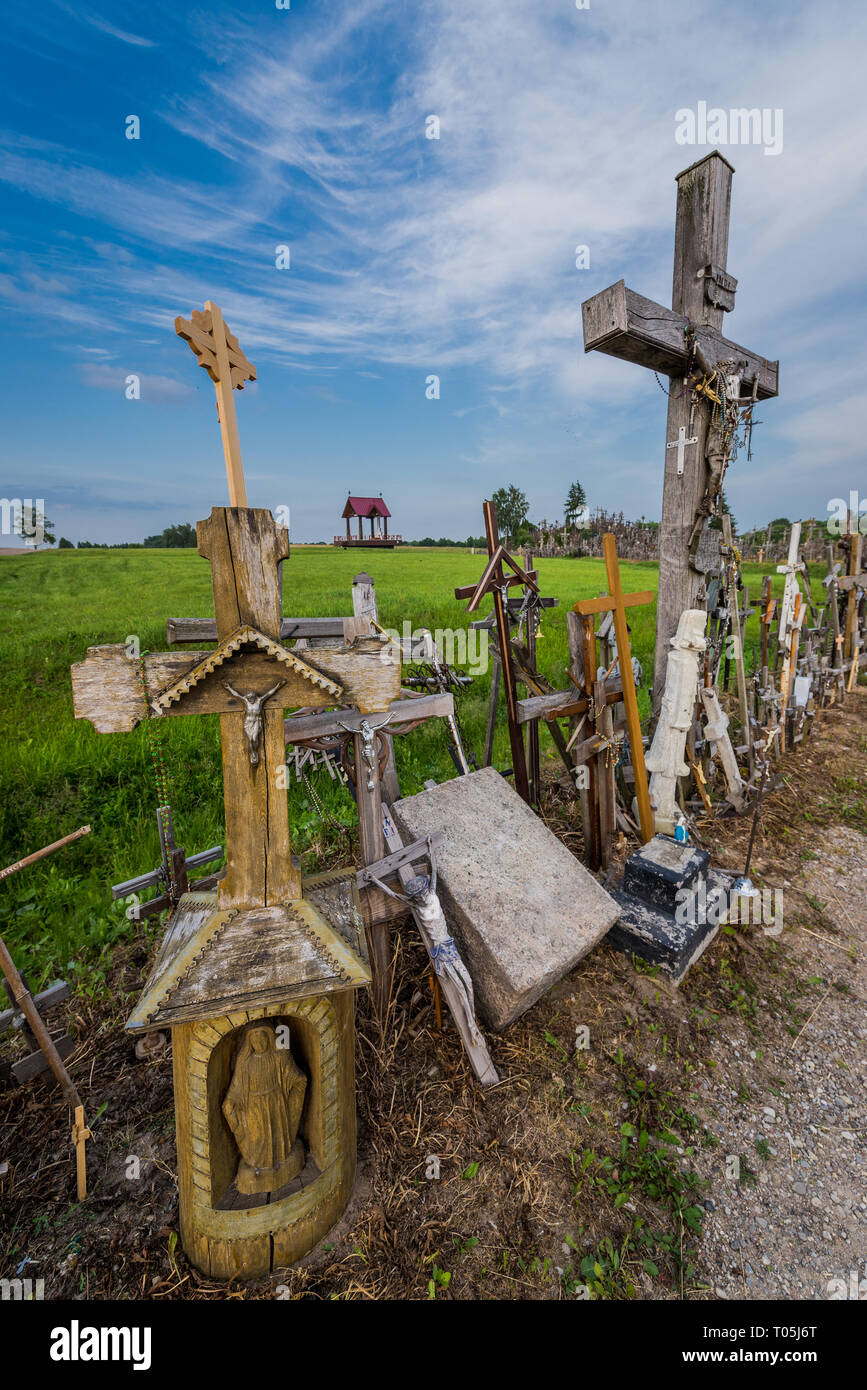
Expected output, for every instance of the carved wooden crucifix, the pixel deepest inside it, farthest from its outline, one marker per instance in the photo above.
(672, 341)
(219, 353)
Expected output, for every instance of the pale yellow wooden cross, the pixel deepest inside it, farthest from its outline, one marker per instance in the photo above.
(220, 354)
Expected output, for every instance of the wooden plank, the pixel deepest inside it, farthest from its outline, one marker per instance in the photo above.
(623, 324)
(575, 636)
(53, 995)
(564, 704)
(605, 603)
(35, 1063)
(364, 605)
(403, 856)
(107, 685)
(180, 630)
(300, 727)
(493, 702)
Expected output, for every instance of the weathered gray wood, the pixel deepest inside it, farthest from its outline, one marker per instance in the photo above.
(364, 606)
(107, 685)
(54, 994)
(493, 702)
(300, 727)
(180, 630)
(36, 1062)
(623, 324)
(392, 862)
(562, 704)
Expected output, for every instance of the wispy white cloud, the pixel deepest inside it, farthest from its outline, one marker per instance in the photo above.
(557, 128)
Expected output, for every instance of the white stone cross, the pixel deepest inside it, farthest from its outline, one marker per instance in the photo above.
(680, 444)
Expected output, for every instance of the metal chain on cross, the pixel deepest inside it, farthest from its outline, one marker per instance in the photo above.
(322, 811)
(156, 742)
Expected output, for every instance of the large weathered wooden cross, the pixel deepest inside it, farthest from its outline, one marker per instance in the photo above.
(686, 344)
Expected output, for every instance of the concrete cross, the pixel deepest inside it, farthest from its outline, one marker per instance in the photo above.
(625, 324)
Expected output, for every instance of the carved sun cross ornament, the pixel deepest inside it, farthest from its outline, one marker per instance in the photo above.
(220, 354)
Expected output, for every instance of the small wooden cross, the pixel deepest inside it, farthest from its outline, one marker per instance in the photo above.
(494, 581)
(617, 603)
(220, 354)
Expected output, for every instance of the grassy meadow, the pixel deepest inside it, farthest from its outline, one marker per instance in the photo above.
(57, 773)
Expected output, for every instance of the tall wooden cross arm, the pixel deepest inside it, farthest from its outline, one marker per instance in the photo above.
(220, 354)
(617, 603)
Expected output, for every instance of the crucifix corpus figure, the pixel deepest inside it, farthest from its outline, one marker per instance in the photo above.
(713, 382)
(253, 718)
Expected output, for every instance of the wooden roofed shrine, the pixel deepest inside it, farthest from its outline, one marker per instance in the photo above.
(375, 512)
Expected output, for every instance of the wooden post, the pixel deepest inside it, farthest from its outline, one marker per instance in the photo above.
(630, 702)
(575, 636)
(532, 735)
(593, 792)
(493, 702)
(737, 631)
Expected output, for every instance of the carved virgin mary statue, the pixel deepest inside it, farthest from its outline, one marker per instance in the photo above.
(263, 1110)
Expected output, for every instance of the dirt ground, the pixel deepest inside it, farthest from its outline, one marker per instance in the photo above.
(708, 1142)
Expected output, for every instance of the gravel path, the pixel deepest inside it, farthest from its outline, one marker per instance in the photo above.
(794, 1225)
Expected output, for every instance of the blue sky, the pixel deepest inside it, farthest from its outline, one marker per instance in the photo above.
(410, 256)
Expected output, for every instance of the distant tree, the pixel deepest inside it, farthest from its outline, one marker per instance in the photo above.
(178, 537)
(32, 525)
(64, 544)
(512, 508)
(725, 510)
(576, 498)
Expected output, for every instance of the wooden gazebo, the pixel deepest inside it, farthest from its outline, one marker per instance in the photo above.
(374, 510)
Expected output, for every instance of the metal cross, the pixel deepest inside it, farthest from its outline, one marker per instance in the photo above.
(680, 444)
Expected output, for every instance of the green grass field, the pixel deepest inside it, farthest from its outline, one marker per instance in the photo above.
(57, 773)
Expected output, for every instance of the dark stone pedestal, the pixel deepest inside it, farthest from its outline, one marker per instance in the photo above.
(671, 905)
